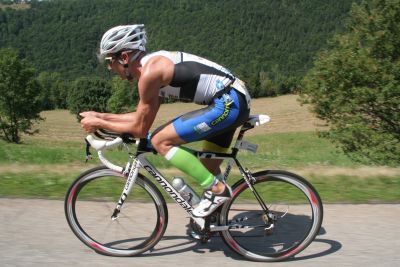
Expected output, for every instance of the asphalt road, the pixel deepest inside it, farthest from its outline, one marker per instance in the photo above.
(35, 233)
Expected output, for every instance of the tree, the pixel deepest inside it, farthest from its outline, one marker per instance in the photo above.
(267, 87)
(55, 90)
(88, 93)
(355, 85)
(20, 101)
(124, 96)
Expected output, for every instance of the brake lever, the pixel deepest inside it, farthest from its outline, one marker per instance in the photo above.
(88, 154)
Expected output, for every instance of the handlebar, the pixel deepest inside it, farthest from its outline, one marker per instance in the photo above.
(102, 145)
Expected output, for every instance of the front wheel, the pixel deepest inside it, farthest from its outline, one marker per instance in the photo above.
(89, 206)
(291, 224)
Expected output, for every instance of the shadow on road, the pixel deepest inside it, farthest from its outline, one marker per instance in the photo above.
(182, 244)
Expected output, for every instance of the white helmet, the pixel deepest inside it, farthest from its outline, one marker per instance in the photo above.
(122, 38)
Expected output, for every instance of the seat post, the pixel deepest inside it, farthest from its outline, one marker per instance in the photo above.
(246, 126)
(253, 120)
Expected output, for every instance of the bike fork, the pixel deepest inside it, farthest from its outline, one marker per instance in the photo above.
(133, 169)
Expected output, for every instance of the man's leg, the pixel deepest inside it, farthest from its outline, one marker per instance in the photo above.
(218, 118)
(212, 166)
(217, 144)
(166, 141)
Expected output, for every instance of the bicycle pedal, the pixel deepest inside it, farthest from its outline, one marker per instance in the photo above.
(195, 235)
(203, 238)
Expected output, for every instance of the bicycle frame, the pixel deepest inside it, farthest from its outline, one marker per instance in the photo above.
(139, 161)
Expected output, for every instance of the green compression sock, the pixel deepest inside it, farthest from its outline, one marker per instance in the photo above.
(184, 160)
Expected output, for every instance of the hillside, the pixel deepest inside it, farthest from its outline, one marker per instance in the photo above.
(287, 115)
(259, 40)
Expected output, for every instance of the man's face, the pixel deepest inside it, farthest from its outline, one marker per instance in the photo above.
(115, 64)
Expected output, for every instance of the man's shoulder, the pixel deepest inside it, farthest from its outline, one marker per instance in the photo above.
(154, 59)
(158, 68)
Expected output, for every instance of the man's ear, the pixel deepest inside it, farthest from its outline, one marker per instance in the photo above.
(125, 57)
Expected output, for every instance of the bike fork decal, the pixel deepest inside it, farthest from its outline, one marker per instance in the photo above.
(128, 185)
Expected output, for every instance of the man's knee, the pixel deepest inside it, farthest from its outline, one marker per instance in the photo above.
(161, 144)
(164, 138)
(157, 142)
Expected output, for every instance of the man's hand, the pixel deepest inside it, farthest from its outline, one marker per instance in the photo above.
(89, 122)
(89, 114)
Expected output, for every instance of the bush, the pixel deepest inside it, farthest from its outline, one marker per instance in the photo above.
(124, 96)
(88, 93)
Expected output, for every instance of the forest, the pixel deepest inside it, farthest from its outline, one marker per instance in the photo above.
(342, 57)
(268, 44)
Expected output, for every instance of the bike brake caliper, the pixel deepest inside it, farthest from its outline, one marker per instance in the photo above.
(250, 176)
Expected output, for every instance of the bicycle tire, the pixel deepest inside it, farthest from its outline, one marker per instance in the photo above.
(101, 187)
(287, 238)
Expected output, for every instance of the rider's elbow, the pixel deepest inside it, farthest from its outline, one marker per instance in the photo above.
(140, 132)
(139, 128)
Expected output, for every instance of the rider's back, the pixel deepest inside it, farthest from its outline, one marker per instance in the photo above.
(196, 79)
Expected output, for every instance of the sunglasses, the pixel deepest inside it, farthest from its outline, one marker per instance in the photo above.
(110, 60)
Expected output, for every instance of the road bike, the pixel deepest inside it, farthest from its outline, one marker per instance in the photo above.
(272, 215)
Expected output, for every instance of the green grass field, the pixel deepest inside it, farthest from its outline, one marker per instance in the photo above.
(36, 170)
(44, 166)
(281, 150)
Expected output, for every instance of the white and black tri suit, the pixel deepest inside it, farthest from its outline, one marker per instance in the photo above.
(206, 83)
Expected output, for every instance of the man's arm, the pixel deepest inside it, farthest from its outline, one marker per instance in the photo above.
(107, 116)
(155, 74)
(138, 123)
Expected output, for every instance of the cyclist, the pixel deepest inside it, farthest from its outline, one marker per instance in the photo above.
(183, 76)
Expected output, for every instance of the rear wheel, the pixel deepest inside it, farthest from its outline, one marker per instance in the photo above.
(91, 200)
(294, 217)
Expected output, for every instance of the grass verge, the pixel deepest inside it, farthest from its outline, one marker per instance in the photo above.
(333, 189)
(279, 150)
(46, 168)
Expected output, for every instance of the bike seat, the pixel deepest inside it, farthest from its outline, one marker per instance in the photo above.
(258, 119)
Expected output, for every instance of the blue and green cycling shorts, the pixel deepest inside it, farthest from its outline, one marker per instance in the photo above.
(216, 123)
